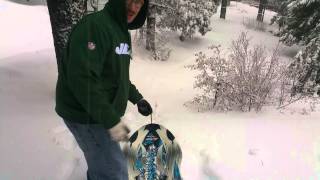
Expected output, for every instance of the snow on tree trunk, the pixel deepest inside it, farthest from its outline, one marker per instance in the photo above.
(261, 11)
(223, 9)
(151, 28)
(64, 14)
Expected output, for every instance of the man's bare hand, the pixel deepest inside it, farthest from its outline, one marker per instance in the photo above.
(119, 132)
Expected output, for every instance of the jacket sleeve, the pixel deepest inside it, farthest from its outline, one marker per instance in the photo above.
(84, 68)
(134, 94)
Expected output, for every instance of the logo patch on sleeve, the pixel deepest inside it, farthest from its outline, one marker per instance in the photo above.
(91, 46)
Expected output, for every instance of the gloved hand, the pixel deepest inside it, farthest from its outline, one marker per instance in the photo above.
(144, 107)
(119, 132)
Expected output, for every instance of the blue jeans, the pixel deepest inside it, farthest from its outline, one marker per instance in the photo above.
(104, 157)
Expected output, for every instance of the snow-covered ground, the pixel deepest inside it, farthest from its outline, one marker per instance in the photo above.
(35, 144)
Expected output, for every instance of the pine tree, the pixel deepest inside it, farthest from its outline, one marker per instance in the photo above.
(187, 16)
(302, 26)
(306, 69)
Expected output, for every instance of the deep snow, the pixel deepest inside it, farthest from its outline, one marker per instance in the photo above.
(35, 144)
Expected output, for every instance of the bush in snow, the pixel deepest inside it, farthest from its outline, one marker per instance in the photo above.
(248, 79)
(187, 16)
(183, 16)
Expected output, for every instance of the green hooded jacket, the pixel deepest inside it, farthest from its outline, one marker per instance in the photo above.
(93, 83)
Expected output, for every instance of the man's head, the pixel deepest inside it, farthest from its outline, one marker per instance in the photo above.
(133, 8)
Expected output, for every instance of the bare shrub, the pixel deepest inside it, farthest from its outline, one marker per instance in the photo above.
(247, 80)
(211, 79)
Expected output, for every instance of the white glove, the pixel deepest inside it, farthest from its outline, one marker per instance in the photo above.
(119, 132)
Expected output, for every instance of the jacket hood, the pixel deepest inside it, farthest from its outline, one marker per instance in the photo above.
(117, 9)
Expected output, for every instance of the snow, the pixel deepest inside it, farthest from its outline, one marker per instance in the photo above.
(23, 28)
(35, 143)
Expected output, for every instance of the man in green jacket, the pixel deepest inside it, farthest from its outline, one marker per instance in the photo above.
(94, 87)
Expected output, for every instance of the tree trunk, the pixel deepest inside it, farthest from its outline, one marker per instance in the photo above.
(223, 9)
(262, 8)
(64, 14)
(151, 28)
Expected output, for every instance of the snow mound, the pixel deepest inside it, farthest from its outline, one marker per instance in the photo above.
(61, 136)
